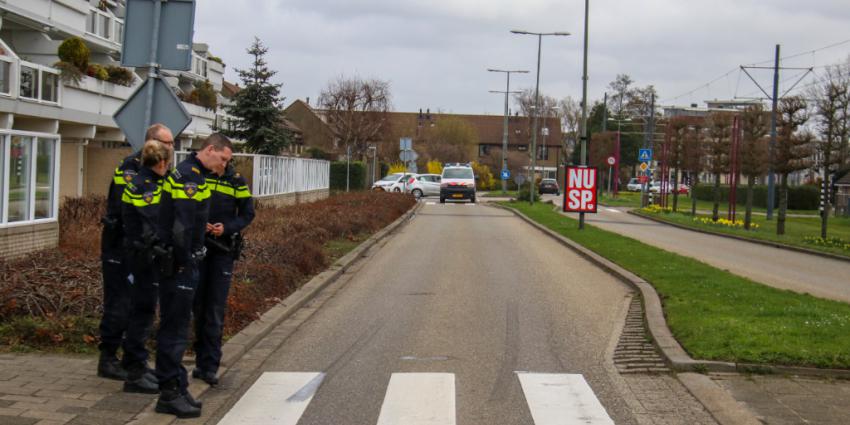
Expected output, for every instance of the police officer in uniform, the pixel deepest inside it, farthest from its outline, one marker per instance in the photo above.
(231, 210)
(116, 289)
(140, 214)
(184, 213)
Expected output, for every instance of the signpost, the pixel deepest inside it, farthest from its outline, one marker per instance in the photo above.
(580, 193)
(506, 174)
(611, 161)
(157, 33)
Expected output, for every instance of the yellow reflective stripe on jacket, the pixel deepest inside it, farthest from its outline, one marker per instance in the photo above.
(227, 190)
(137, 200)
(202, 193)
(118, 178)
(243, 192)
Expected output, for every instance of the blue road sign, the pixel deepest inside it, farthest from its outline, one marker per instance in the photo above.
(645, 155)
(506, 174)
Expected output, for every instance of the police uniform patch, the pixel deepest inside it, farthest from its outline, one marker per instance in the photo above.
(176, 174)
(190, 189)
(148, 197)
(197, 171)
(128, 175)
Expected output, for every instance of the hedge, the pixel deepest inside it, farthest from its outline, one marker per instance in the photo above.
(799, 197)
(357, 177)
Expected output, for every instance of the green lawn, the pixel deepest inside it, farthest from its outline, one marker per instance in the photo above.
(632, 200)
(717, 315)
(796, 229)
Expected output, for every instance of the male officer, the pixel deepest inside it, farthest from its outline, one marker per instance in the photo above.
(184, 213)
(231, 210)
(116, 289)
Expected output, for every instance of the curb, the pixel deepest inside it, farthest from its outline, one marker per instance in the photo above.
(721, 406)
(239, 344)
(742, 238)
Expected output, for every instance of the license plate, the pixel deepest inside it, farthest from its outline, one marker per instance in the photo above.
(457, 195)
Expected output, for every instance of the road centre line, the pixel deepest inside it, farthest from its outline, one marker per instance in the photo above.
(275, 398)
(562, 399)
(419, 399)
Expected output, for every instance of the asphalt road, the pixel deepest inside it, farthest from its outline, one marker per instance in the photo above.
(780, 268)
(465, 298)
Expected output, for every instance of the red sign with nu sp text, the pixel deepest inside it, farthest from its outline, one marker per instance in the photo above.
(580, 192)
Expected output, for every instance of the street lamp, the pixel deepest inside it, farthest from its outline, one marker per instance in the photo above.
(531, 176)
(505, 133)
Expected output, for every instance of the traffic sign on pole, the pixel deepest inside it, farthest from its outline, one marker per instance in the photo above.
(408, 155)
(645, 155)
(506, 174)
(644, 166)
(170, 31)
(405, 143)
(612, 160)
(165, 108)
(580, 190)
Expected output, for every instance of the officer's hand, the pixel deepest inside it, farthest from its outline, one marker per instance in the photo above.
(209, 228)
(217, 229)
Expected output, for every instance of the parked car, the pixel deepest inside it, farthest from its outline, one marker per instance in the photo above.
(457, 182)
(549, 186)
(655, 187)
(634, 185)
(425, 185)
(393, 182)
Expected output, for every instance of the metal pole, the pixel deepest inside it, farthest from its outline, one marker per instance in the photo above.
(772, 147)
(532, 178)
(605, 114)
(347, 166)
(374, 163)
(153, 70)
(647, 143)
(584, 102)
(505, 135)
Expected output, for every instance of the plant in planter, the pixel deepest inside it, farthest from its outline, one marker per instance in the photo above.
(97, 71)
(204, 95)
(73, 60)
(119, 75)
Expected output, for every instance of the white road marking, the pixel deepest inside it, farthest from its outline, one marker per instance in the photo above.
(612, 210)
(276, 398)
(562, 399)
(430, 203)
(419, 399)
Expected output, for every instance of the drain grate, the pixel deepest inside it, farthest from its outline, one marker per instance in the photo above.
(635, 353)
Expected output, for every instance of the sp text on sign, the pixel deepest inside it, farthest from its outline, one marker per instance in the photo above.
(580, 193)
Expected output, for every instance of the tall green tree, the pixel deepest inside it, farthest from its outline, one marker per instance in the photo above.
(754, 122)
(257, 107)
(793, 148)
(718, 144)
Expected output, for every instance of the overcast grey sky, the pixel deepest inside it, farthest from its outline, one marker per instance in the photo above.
(435, 54)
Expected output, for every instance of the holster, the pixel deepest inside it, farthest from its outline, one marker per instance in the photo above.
(164, 257)
(112, 234)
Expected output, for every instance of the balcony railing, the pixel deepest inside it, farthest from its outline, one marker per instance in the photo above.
(103, 25)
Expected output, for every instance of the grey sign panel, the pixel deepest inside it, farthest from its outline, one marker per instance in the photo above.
(176, 29)
(167, 109)
(407, 156)
(405, 143)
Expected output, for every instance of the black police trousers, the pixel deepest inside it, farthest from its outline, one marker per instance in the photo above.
(210, 301)
(116, 302)
(143, 298)
(176, 295)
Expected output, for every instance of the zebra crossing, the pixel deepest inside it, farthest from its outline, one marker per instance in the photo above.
(280, 398)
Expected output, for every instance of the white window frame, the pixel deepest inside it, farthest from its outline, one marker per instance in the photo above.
(111, 20)
(13, 71)
(197, 60)
(6, 144)
(40, 71)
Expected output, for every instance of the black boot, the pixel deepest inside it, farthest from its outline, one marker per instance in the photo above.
(140, 381)
(197, 403)
(172, 402)
(108, 366)
(208, 377)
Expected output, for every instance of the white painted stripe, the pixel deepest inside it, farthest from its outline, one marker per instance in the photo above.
(562, 399)
(276, 398)
(419, 399)
(430, 203)
(612, 210)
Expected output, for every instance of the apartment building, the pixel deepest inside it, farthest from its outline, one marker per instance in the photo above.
(58, 138)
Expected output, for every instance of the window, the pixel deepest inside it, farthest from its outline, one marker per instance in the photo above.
(104, 25)
(29, 166)
(49, 87)
(522, 148)
(119, 31)
(20, 161)
(103, 28)
(91, 24)
(5, 77)
(543, 152)
(29, 82)
(483, 150)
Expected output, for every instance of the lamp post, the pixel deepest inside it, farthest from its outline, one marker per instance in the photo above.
(584, 100)
(531, 177)
(505, 133)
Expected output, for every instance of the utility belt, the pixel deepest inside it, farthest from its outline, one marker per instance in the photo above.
(150, 252)
(112, 233)
(232, 245)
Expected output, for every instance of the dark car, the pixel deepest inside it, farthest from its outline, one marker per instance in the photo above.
(549, 186)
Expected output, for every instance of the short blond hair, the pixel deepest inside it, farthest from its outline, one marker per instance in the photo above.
(153, 152)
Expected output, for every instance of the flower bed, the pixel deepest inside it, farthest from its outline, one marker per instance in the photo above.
(828, 242)
(46, 297)
(736, 224)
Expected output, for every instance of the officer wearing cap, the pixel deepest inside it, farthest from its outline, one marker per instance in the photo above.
(184, 213)
(116, 289)
(231, 210)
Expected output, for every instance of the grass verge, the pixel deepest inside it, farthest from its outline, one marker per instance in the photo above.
(802, 232)
(717, 315)
(500, 194)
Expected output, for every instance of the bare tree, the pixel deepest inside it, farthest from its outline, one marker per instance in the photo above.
(830, 98)
(570, 114)
(793, 149)
(754, 123)
(676, 139)
(356, 111)
(453, 140)
(717, 146)
(619, 100)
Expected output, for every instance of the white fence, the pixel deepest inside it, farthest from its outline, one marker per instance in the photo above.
(271, 175)
(276, 175)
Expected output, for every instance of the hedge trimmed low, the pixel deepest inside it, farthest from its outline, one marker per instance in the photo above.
(799, 197)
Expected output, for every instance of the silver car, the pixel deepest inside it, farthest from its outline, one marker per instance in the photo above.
(425, 185)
